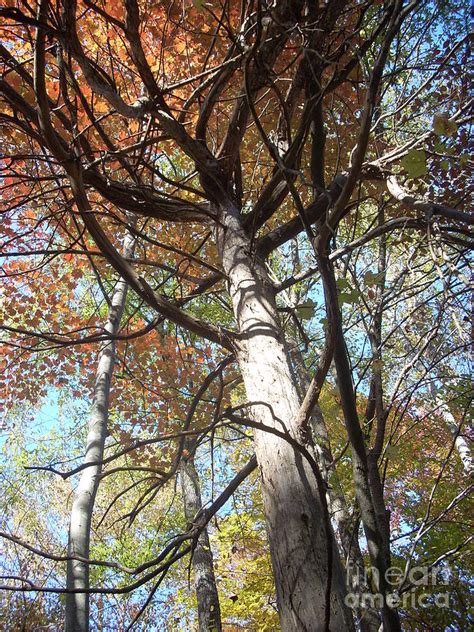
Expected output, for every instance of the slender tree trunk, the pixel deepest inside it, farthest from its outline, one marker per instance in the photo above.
(209, 613)
(376, 407)
(294, 516)
(442, 409)
(77, 604)
(462, 446)
(375, 532)
(346, 525)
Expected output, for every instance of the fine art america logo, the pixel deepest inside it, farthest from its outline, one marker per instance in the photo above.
(401, 588)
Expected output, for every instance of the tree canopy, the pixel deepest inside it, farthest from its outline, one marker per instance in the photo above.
(235, 249)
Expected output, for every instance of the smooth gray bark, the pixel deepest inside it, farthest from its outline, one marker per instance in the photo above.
(209, 614)
(77, 604)
(294, 515)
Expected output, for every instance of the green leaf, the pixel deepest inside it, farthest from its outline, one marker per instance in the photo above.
(342, 283)
(198, 4)
(443, 126)
(306, 310)
(372, 278)
(445, 165)
(414, 163)
(391, 451)
(348, 297)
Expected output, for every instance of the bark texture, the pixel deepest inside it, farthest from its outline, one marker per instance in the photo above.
(294, 515)
(209, 613)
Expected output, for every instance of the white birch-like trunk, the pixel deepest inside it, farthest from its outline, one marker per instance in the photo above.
(294, 516)
(77, 603)
(460, 443)
(442, 409)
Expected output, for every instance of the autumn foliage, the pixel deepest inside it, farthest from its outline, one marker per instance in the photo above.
(292, 172)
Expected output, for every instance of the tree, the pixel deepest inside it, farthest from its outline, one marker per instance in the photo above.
(77, 604)
(209, 614)
(286, 141)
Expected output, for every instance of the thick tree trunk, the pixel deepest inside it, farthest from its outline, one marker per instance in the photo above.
(77, 604)
(209, 613)
(294, 515)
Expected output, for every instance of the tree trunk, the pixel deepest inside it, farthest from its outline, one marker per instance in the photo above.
(209, 613)
(374, 532)
(461, 445)
(294, 515)
(346, 525)
(442, 409)
(77, 604)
